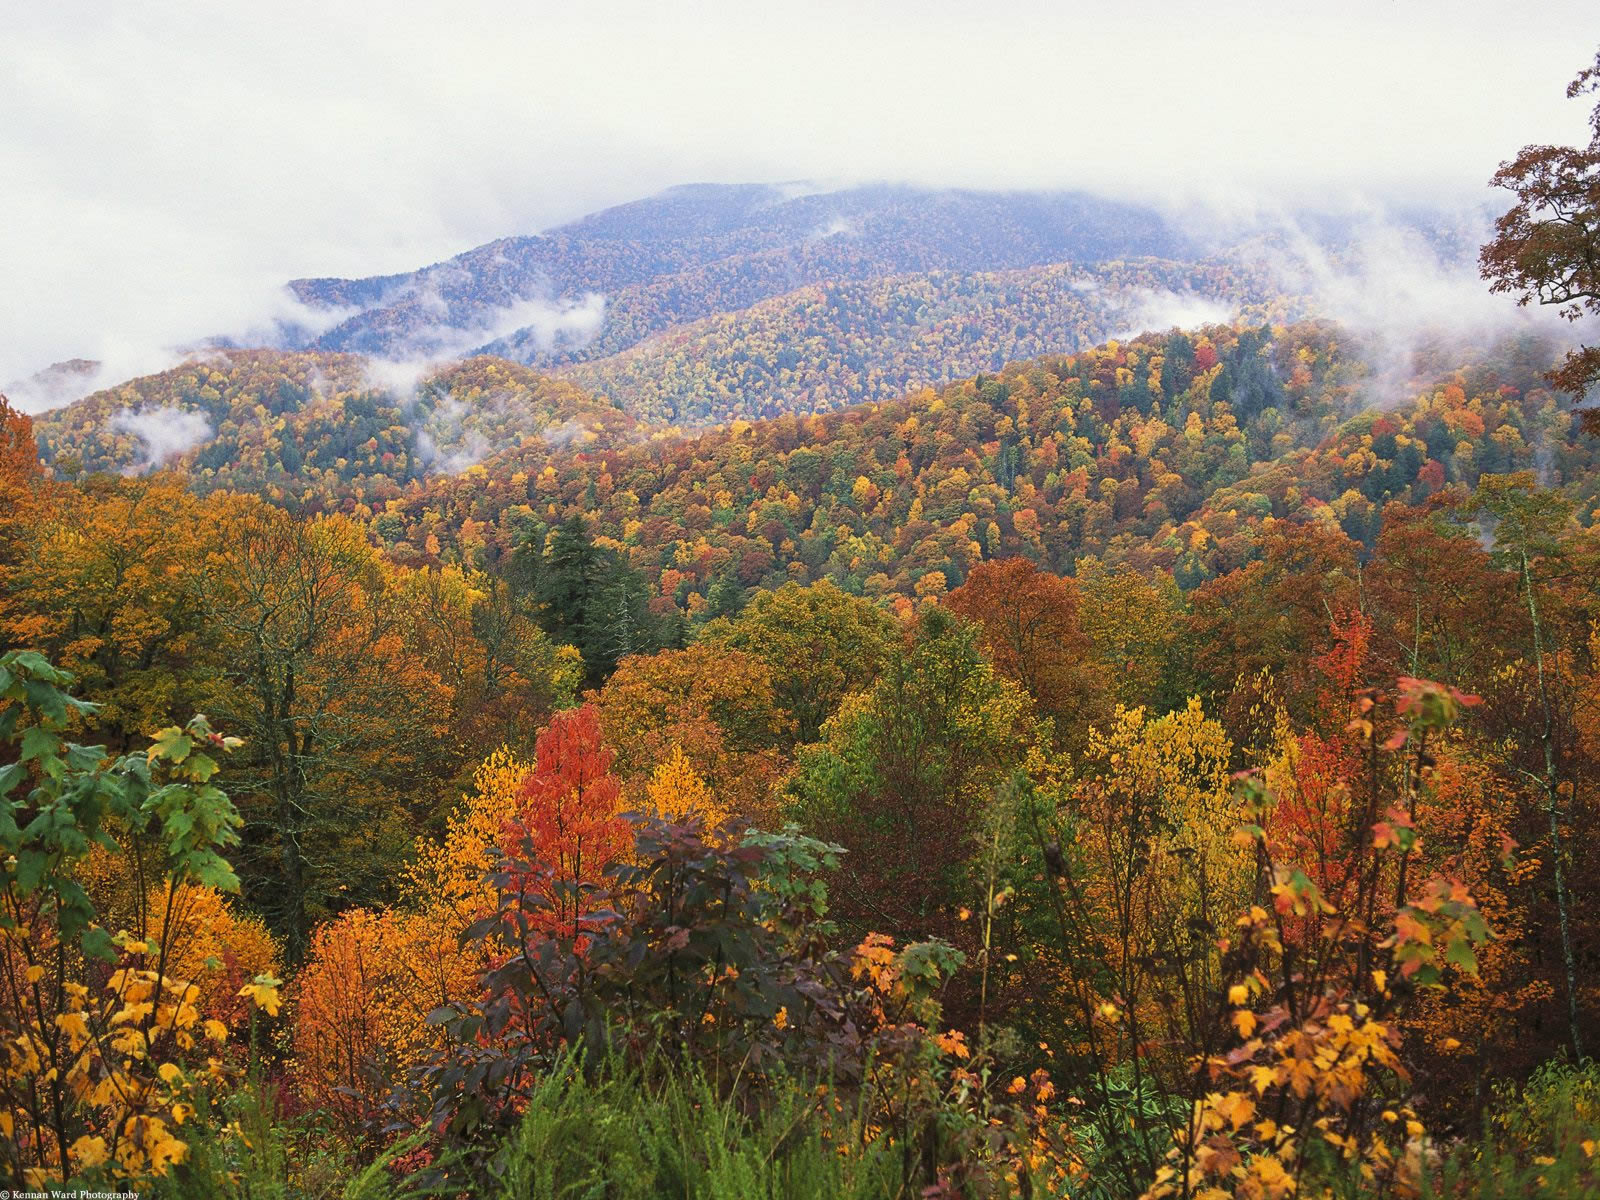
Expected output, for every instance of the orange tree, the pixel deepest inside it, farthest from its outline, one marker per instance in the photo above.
(716, 705)
(1028, 627)
(21, 485)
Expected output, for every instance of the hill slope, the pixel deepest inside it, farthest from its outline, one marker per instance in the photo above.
(828, 345)
(319, 425)
(695, 251)
(1171, 452)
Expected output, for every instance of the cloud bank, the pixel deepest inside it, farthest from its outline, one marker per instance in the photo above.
(167, 432)
(168, 163)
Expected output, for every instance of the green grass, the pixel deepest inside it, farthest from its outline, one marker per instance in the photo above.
(613, 1137)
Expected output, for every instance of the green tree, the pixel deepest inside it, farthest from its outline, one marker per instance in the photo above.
(904, 770)
(821, 644)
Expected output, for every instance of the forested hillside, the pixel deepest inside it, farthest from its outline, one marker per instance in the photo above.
(831, 345)
(315, 425)
(889, 703)
(1171, 451)
(984, 664)
(696, 251)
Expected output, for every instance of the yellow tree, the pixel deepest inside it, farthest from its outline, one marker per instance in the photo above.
(715, 706)
(677, 793)
(340, 720)
(1133, 624)
(103, 583)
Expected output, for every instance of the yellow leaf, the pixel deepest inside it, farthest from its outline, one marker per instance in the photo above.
(263, 993)
(165, 1152)
(169, 1072)
(1245, 1022)
(89, 1151)
(1238, 994)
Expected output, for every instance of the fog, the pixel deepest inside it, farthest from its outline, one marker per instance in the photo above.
(168, 166)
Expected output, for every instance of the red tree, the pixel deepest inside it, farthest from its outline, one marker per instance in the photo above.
(568, 826)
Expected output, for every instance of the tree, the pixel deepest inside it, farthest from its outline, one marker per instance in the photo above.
(567, 827)
(1029, 629)
(1263, 623)
(340, 719)
(104, 585)
(820, 643)
(1546, 247)
(1529, 530)
(101, 1043)
(1133, 624)
(21, 482)
(504, 673)
(904, 770)
(714, 706)
(677, 794)
(371, 978)
(592, 599)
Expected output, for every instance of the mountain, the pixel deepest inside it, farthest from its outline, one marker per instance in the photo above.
(1172, 451)
(599, 285)
(59, 383)
(317, 425)
(828, 345)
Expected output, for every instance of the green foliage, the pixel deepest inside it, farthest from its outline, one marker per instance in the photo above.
(702, 951)
(821, 643)
(1541, 1140)
(621, 1135)
(904, 769)
(59, 799)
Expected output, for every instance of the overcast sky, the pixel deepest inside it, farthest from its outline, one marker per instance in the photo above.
(164, 167)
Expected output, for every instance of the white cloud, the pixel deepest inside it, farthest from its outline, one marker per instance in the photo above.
(1159, 310)
(168, 165)
(549, 323)
(1401, 296)
(166, 432)
(839, 226)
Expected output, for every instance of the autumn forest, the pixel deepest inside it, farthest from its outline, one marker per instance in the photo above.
(857, 714)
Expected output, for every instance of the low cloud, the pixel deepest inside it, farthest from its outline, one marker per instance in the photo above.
(1159, 309)
(839, 226)
(167, 432)
(55, 386)
(541, 323)
(1405, 291)
(558, 437)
